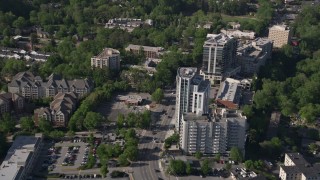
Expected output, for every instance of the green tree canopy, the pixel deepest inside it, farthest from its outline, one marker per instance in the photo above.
(44, 125)
(157, 95)
(104, 170)
(27, 123)
(236, 154)
(177, 167)
(7, 123)
(198, 155)
(92, 120)
(205, 168)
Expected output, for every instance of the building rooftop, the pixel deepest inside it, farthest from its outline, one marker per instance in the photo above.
(130, 99)
(187, 72)
(301, 166)
(217, 39)
(261, 41)
(230, 90)
(279, 27)
(19, 153)
(297, 158)
(195, 117)
(108, 52)
(145, 48)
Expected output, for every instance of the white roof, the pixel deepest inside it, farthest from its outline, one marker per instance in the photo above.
(17, 156)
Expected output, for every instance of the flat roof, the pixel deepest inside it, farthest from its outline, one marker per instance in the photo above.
(187, 72)
(281, 27)
(261, 41)
(130, 98)
(229, 90)
(195, 117)
(217, 39)
(145, 48)
(108, 52)
(18, 155)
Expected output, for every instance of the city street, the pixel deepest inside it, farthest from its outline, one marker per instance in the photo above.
(151, 142)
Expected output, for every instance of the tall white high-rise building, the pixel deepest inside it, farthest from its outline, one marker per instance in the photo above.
(196, 134)
(192, 94)
(230, 130)
(219, 57)
(212, 135)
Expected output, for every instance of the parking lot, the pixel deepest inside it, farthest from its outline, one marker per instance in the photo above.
(112, 108)
(65, 158)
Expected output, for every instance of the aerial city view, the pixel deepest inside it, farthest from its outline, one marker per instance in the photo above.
(160, 89)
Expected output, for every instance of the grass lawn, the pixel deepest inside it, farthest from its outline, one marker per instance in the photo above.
(240, 19)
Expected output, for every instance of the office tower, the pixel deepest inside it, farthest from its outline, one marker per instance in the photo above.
(280, 35)
(219, 57)
(192, 94)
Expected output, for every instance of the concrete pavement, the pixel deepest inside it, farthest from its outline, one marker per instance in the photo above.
(147, 168)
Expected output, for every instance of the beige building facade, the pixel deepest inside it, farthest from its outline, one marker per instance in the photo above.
(280, 35)
(109, 58)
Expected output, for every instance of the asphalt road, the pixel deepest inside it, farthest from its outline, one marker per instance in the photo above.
(150, 145)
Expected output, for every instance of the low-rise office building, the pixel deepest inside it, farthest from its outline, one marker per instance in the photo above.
(229, 94)
(297, 168)
(109, 58)
(21, 157)
(20, 54)
(128, 24)
(239, 34)
(148, 51)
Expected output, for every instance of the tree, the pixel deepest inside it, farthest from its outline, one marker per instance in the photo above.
(33, 38)
(249, 164)
(56, 134)
(19, 23)
(117, 150)
(198, 155)
(44, 125)
(26, 123)
(121, 121)
(313, 147)
(158, 95)
(177, 167)
(217, 157)
(123, 161)
(205, 169)
(271, 148)
(236, 154)
(92, 120)
(228, 166)
(131, 152)
(104, 170)
(7, 123)
(130, 133)
(189, 169)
